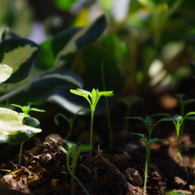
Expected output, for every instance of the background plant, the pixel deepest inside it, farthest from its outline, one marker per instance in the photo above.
(128, 104)
(70, 120)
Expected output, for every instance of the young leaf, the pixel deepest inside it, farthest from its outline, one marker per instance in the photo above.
(106, 93)
(21, 55)
(177, 117)
(149, 120)
(5, 72)
(139, 134)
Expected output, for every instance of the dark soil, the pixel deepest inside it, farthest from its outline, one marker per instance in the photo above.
(119, 171)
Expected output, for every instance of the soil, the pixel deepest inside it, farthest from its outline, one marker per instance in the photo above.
(116, 171)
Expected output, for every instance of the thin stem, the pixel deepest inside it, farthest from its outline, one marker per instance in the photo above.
(20, 153)
(107, 110)
(11, 93)
(73, 177)
(150, 129)
(91, 131)
(146, 167)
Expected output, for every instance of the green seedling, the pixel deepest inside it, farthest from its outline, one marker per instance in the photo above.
(192, 157)
(128, 104)
(148, 122)
(178, 121)
(69, 120)
(148, 143)
(182, 103)
(29, 120)
(92, 98)
(27, 109)
(72, 152)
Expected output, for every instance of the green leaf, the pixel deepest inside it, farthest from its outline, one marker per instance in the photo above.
(106, 93)
(64, 5)
(135, 117)
(46, 57)
(149, 120)
(12, 129)
(153, 140)
(80, 92)
(177, 117)
(31, 121)
(84, 148)
(139, 134)
(72, 40)
(20, 54)
(61, 78)
(5, 72)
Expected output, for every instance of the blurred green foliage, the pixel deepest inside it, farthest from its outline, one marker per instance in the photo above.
(146, 43)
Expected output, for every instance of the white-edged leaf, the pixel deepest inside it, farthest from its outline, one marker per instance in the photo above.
(5, 72)
(21, 55)
(75, 39)
(61, 78)
(12, 129)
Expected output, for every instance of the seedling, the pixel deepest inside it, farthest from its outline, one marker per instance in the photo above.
(69, 120)
(93, 98)
(193, 156)
(128, 104)
(149, 123)
(148, 144)
(27, 109)
(183, 103)
(73, 151)
(29, 120)
(178, 121)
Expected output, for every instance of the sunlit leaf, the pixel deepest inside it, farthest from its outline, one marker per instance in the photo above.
(20, 54)
(5, 72)
(12, 129)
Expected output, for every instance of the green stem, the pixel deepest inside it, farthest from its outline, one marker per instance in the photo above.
(91, 131)
(20, 153)
(109, 124)
(146, 167)
(73, 177)
(11, 93)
